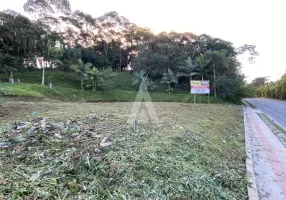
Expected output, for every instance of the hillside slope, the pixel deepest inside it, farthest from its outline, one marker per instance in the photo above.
(66, 86)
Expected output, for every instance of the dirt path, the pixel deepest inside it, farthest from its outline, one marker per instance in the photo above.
(268, 157)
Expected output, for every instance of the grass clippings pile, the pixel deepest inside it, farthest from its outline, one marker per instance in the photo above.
(100, 157)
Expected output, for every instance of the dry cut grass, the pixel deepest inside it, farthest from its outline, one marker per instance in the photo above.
(195, 152)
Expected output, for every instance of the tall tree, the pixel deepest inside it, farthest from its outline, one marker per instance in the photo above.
(20, 40)
(47, 12)
(259, 81)
(188, 69)
(201, 64)
(219, 64)
(251, 50)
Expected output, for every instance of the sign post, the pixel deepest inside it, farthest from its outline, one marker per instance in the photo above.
(200, 87)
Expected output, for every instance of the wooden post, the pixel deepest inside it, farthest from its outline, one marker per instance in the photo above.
(194, 98)
(209, 98)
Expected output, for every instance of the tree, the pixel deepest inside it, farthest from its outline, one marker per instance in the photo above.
(149, 61)
(56, 54)
(270, 89)
(188, 69)
(47, 12)
(250, 49)
(169, 78)
(230, 88)
(105, 78)
(201, 64)
(281, 88)
(82, 69)
(47, 8)
(20, 41)
(219, 64)
(138, 77)
(94, 77)
(259, 81)
(60, 37)
(10, 64)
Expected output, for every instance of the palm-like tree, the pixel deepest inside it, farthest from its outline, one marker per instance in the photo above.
(150, 85)
(189, 68)
(201, 64)
(169, 78)
(142, 76)
(82, 69)
(94, 75)
(218, 61)
(138, 77)
(105, 77)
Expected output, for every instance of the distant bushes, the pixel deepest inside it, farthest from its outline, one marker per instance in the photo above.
(275, 90)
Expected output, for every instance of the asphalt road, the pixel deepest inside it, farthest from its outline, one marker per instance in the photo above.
(275, 109)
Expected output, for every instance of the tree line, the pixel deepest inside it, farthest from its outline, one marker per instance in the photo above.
(57, 37)
(264, 88)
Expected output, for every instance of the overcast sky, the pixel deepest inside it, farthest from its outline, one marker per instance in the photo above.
(257, 22)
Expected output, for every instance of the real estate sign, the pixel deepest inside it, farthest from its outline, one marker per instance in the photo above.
(200, 87)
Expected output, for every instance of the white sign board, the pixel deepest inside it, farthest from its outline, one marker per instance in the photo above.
(200, 87)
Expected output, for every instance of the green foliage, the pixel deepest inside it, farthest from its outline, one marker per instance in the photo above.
(188, 68)
(118, 44)
(202, 64)
(231, 88)
(275, 90)
(149, 61)
(71, 93)
(150, 85)
(169, 78)
(259, 81)
(105, 78)
(24, 90)
(249, 90)
(82, 69)
(138, 77)
(94, 75)
(123, 81)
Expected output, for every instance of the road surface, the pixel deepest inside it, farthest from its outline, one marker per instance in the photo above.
(275, 109)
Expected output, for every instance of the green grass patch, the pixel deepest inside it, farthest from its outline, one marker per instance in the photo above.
(62, 79)
(24, 90)
(66, 87)
(72, 94)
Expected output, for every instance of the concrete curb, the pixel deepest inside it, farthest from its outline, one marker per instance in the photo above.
(258, 110)
(251, 184)
(275, 122)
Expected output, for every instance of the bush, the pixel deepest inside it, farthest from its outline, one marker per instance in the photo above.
(275, 90)
(230, 88)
